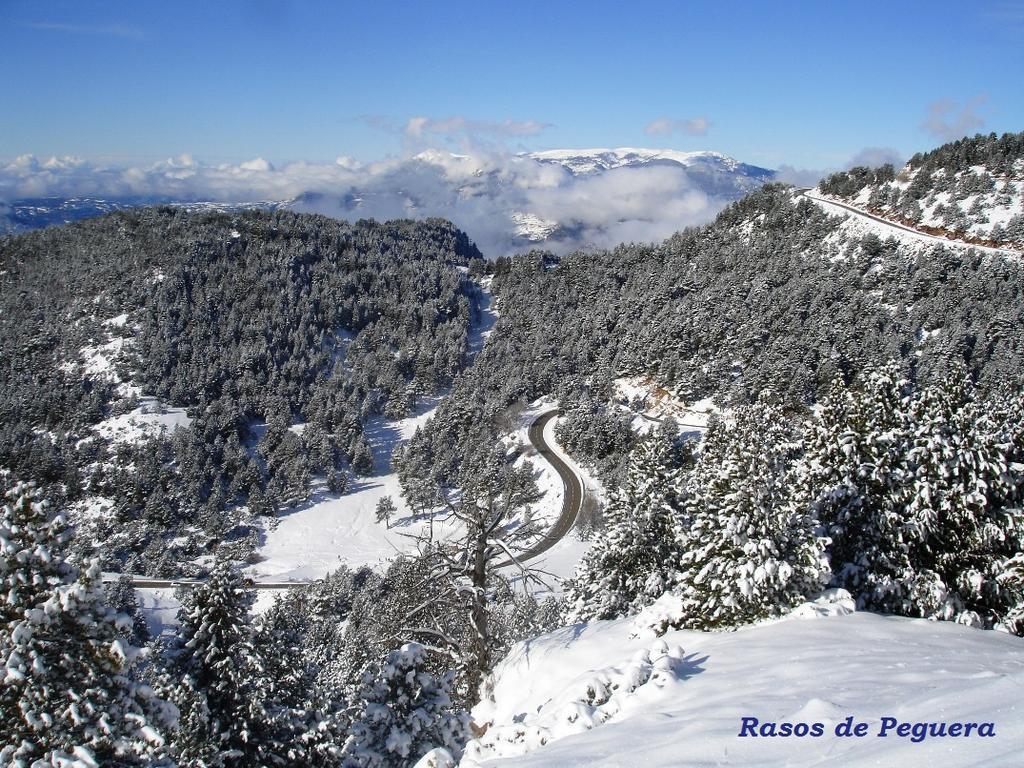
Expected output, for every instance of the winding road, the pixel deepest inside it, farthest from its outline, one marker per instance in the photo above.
(572, 499)
(572, 503)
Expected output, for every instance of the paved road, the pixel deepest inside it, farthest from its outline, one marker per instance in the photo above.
(826, 202)
(572, 499)
(571, 505)
(144, 582)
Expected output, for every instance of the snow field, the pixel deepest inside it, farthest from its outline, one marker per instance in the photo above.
(150, 417)
(605, 694)
(328, 531)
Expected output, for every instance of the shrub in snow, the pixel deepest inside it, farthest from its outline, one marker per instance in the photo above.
(831, 602)
(589, 701)
(439, 757)
(67, 693)
(665, 613)
(403, 712)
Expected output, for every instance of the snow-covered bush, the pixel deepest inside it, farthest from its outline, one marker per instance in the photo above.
(589, 701)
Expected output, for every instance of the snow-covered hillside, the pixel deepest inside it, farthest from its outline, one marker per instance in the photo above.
(971, 190)
(612, 694)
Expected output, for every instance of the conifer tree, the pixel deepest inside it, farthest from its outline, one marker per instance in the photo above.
(385, 509)
(225, 718)
(68, 691)
(402, 713)
(636, 558)
(302, 729)
(921, 492)
(747, 551)
(851, 472)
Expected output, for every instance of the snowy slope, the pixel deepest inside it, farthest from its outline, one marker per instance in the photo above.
(597, 695)
(328, 531)
(861, 222)
(976, 204)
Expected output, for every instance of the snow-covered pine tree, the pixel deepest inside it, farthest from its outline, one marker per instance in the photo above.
(67, 692)
(224, 717)
(305, 727)
(746, 550)
(402, 713)
(385, 509)
(635, 559)
(850, 474)
(963, 516)
(362, 458)
(921, 492)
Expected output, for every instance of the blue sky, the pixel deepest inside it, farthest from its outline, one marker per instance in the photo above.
(808, 84)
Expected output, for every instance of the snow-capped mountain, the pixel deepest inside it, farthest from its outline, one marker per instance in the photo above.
(559, 199)
(585, 161)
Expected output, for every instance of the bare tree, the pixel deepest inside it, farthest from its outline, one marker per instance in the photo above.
(484, 533)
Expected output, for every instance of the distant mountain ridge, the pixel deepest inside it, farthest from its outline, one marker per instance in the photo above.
(584, 161)
(38, 212)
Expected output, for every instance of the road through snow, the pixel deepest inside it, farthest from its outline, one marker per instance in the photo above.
(571, 504)
(833, 206)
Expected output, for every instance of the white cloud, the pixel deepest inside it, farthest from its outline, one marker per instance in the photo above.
(421, 127)
(874, 157)
(799, 177)
(870, 157)
(949, 120)
(256, 164)
(482, 191)
(691, 126)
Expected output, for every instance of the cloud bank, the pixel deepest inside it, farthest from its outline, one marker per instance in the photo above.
(505, 201)
(870, 157)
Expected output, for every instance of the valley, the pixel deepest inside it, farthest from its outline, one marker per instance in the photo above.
(577, 494)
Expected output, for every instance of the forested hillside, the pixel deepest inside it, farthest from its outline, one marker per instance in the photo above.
(971, 189)
(910, 355)
(250, 323)
(772, 299)
(866, 437)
